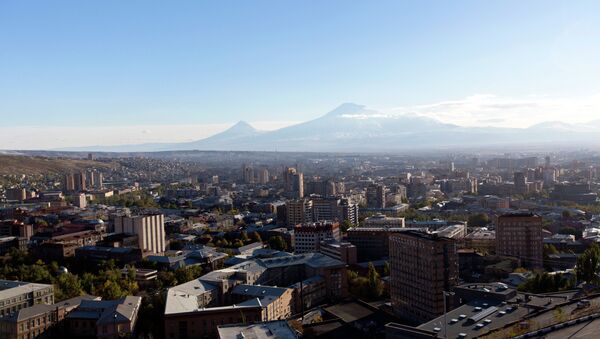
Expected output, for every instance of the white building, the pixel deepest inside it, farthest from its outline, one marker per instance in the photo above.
(150, 230)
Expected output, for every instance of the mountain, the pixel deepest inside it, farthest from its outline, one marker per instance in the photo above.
(356, 128)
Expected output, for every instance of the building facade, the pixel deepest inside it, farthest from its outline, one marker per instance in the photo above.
(150, 230)
(423, 266)
(519, 235)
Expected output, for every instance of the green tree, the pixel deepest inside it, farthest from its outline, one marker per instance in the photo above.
(478, 220)
(255, 237)
(386, 268)
(588, 265)
(345, 225)
(375, 284)
(277, 243)
(68, 286)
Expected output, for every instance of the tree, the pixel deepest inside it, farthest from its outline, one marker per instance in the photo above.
(571, 231)
(375, 284)
(244, 237)
(68, 286)
(110, 290)
(346, 224)
(255, 237)
(588, 265)
(386, 268)
(277, 243)
(478, 220)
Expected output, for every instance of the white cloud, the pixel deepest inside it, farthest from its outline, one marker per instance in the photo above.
(492, 110)
(50, 137)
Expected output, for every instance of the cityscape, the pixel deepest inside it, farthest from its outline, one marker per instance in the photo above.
(299, 170)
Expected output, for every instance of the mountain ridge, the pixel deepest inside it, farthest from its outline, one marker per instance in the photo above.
(353, 127)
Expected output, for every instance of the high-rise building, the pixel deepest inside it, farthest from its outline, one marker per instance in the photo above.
(520, 182)
(150, 230)
(293, 183)
(248, 174)
(423, 266)
(75, 182)
(298, 211)
(263, 176)
(308, 236)
(376, 196)
(520, 235)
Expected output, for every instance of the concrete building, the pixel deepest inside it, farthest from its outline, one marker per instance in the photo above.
(16, 295)
(104, 319)
(298, 212)
(293, 182)
(423, 266)
(375, 196)
(519, 235)
(271, 329)
(382, 221)
(371, 243)
(196, 308)
(39, 321)
(150, 230)
(342, 251)
(16, 194)
(308, 236)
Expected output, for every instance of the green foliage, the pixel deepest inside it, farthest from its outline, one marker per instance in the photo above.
(277, 243)
(255, 237)
(345, 225)
(571, 231)
(134, 199)
(478, 220)
(546, 283)
(369, 287)
(386, 269)
(588, 265)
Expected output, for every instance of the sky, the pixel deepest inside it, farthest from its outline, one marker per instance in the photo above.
(77, 73)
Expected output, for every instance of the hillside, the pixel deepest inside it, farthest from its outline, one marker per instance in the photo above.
(12, 164)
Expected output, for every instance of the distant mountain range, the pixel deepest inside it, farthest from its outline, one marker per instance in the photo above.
(355, 128)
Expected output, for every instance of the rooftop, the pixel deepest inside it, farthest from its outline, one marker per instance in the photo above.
(273, 329)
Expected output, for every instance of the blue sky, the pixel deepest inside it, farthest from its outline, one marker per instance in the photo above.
(109, 63)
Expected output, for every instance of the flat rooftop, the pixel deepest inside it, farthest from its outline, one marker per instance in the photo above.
(267, 330)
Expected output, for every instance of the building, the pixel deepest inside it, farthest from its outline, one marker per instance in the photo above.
(576, 192)
(16, 295)
(97, 254)
(248, 174)
(277, 300)
(298, 212)
(16, 194)
(375, 196)
(150, 230)
(482, 240)
(382, 221)
(245, 293)
(104, 319)
(342, 251)
(371, 243)
(423, 266)
(520, 235)
(520, 181)
(16, 228)
(75, 182)
(39, 321)
(276, 329)
(6, 243)
(308, 236)
(293, 182)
